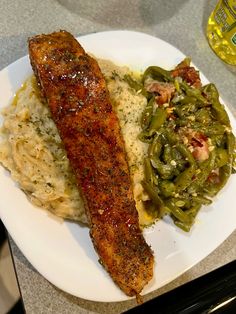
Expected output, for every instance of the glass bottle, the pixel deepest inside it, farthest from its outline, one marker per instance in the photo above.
(221, 30)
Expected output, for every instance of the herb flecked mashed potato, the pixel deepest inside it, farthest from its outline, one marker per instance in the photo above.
(33, 152)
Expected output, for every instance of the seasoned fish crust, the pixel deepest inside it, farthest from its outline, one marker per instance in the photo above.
(79, 101)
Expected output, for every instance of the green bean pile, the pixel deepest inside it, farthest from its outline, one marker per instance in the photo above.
(176, 181)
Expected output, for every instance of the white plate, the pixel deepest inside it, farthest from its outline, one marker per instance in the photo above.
(62, 251)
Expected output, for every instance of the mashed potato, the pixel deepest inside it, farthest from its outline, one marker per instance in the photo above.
(33, 152)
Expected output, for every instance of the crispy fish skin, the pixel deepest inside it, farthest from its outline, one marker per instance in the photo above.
(78, 98)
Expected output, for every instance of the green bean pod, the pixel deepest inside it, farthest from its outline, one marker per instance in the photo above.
(186, 153)
(149, 172)
(145, 137)
(224, 174)
(167, 188)
(215, 128)
(167, 154)
(170, 137)
(201, 176)
(225, 170)
(175, 182)
(203, 115)
(184, 179)
(158, 73)
(147, 114)
(137, 86)
(158, 119)
(193, 92)
(201, 200)
(192, 213)
(153, 193)
(183, 225)
(184, 110)
(230, 139)
(164, 170)
(177, 212)
(193, 210)
(188, 100)
(217, 108)
(155, 148)
(222, 157)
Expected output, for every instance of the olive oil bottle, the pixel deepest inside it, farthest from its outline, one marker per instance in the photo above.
(221, 30)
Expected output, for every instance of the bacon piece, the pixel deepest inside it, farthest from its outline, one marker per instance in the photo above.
(187, 73)
(163, 91)
(197, 143)
(78, 98)
(214, 177)
(200, 146)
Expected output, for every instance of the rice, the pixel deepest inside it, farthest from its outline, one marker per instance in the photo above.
(32, 151)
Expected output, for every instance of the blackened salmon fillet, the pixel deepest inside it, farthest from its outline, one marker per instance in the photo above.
(76, 93)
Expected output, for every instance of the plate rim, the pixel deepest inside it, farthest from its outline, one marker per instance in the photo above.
(141, 34)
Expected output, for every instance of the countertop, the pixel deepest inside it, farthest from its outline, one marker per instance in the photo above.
(179, 22)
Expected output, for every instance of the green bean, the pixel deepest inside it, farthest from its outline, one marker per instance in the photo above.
(189, 100)
(230, 139)
(183, 225)
(158, 73)
(221, 157)
(192, 212)
(145, 137)
(184, 179)
(154, 196)
(201, 200)
(157, 120)
(167, 188)
(170, 136)
(147, 114)
(184, 198)
(164, 170)
(186, 153)
(193, 92)
(218, 140)
(176, 211)
(155, 148)
(201, 176)
(217, 108)
(225, 170)
(185, 62)
(177, 86)
(203, 115)
(177, 98)
(167, 156)
(137, 86)
(180, 122)
(214, 129)
(224, 173)
(177, 157)
(184, 110)
(149, 172)
(175, 182)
